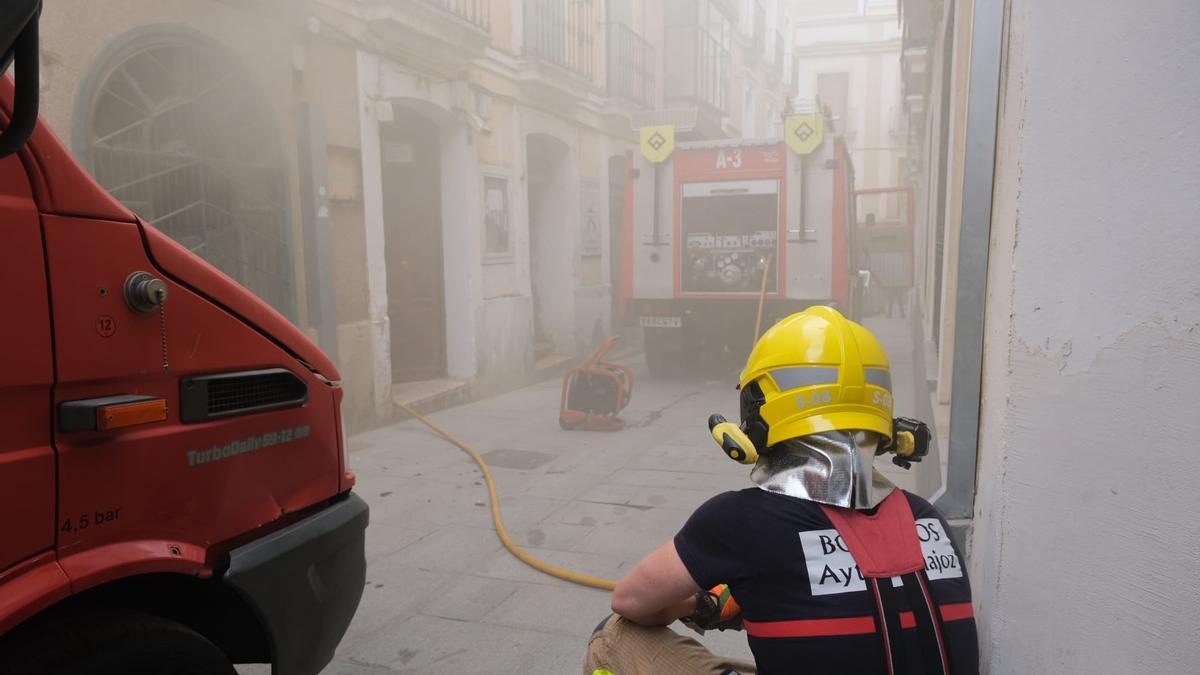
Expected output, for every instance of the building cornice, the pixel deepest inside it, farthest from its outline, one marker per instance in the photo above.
(845, 19)
(848, 48)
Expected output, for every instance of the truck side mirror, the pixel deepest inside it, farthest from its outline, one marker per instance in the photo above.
(19, 44)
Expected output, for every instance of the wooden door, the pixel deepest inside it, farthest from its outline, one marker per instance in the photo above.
(616, 234)
(413, 232)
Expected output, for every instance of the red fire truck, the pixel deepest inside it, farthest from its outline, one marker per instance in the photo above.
(707, 230)
(174, 495)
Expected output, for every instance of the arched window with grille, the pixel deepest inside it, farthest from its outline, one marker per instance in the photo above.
(177, 131)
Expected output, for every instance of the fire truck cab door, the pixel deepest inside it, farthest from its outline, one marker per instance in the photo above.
(27, 491)
(165, 487)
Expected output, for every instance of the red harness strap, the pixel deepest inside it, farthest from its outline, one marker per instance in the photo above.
(885, 545)
(852, 625)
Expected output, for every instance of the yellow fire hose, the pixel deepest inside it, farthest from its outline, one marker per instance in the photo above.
(498, 523)
(539, 565)
(762, 296)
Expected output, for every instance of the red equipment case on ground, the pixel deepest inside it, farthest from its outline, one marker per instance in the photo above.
(595, 392)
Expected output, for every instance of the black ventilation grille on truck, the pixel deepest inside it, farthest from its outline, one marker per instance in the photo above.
(215, 396)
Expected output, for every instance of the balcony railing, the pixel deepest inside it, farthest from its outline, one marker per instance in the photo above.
(476, 12)
(560, 32)
(630, 65)
(758, 28)
(727, 7)
(712, 74)
(697, 68)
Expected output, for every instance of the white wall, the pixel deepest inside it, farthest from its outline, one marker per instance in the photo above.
(1087, 544)
(867, 48)
(461, 248)
(372, 196)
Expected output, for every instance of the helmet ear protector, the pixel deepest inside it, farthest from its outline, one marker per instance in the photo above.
(910, 438)
(751, 402)
(733, 441)
(741, 442)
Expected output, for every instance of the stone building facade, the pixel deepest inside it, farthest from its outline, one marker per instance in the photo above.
(429, 187)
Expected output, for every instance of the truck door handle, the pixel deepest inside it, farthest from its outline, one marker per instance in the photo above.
(108, 413)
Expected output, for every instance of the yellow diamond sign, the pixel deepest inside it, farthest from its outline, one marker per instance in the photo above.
(804, 133)
(658, 142)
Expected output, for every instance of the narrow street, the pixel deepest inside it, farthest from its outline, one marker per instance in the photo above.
(251, 240)
(444, 596)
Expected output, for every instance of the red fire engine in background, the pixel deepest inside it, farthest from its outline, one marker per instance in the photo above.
(173, 484)
(720, 223)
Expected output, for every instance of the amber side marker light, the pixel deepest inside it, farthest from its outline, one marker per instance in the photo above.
(130, 414)
(108, 413)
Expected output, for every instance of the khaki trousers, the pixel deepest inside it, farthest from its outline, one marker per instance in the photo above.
(621, 647)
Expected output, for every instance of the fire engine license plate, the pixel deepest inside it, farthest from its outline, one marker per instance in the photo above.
(661, 322)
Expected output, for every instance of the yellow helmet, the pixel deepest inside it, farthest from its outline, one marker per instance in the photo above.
(816, 371)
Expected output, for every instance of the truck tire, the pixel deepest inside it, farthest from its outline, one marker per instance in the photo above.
(110, 642)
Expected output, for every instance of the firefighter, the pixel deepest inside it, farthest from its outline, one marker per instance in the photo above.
(835, 569)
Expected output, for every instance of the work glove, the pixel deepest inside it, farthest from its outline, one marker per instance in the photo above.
(715, 608)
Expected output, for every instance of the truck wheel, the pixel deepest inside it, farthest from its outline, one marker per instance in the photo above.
(110, 642)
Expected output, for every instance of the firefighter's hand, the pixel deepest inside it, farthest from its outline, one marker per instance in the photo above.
(717, 609)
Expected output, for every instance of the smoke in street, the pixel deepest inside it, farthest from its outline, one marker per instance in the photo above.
(459, 198)
(557, 226)
(467, 336)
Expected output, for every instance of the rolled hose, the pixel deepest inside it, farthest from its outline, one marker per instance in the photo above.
(539, 565)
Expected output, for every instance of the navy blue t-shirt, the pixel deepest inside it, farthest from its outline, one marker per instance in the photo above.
(800, 589)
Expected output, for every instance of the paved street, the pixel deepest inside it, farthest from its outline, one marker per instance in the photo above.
(444, 596)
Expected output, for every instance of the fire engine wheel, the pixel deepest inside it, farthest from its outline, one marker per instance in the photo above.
(111, 642)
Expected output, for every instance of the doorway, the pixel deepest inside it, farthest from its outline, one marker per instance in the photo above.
(549, 256)
(616, 233)
(411, 173)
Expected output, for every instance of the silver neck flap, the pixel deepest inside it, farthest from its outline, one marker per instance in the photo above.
(833, 467)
